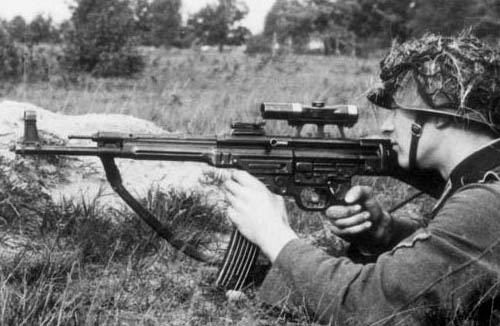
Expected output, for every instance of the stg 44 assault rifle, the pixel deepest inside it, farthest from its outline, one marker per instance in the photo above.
(315, 171)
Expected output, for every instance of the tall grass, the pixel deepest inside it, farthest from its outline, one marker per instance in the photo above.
(201, 93)
(90, 265)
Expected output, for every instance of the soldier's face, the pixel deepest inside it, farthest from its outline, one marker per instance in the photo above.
(397, 127)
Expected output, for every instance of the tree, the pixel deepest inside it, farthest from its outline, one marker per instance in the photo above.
(18, 29)
(215, 24)
(41, 30)
(290, 19)
(238, 35)
(482, 16)
(159, 22)
(333, 23)
(386, 20)
(298, 21)
(64, 30)
(345, 25)
(11, 58)
(101, 40)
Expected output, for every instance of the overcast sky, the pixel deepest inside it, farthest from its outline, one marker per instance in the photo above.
(59, 11)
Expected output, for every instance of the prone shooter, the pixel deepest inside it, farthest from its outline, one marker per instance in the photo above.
(315, 171)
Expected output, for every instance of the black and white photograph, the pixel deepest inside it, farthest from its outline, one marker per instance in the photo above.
(249, 162)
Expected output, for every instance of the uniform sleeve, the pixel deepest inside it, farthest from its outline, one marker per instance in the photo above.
(437, 270)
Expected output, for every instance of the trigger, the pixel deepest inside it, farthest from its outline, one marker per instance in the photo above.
(314, 198)
(337, 190)
(330, 187)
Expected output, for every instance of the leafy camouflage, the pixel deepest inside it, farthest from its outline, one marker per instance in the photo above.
(452, 74)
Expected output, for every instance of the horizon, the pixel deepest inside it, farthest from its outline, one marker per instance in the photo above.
(59, 10)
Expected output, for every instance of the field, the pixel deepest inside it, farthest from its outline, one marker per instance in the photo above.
(201, 92)
(89, 270)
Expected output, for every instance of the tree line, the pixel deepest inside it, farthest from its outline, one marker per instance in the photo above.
(357, 25)
(148, 22)
(102, 36)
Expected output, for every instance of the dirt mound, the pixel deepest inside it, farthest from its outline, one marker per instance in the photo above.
(30, 186)
(84, 176)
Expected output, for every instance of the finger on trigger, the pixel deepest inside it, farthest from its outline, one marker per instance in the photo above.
(357, 193)
(352, 195)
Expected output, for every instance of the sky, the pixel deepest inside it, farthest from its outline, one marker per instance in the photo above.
(59, 11)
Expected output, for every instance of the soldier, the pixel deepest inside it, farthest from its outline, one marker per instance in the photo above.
(443, 97)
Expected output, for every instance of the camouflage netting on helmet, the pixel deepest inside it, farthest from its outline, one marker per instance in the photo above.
(459, 74)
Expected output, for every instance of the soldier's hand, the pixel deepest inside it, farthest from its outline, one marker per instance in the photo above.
(257, 213)
(361, 218)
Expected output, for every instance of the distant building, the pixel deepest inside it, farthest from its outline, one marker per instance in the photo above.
(316, 44)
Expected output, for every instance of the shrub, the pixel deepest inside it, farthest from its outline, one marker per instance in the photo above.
(258, 44)
(11, 58)
(123, 63)
(27, 63)
(101, 40)
(40, 62)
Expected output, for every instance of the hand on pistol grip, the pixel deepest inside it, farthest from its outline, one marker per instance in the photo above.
(360, 218)
(320, 198)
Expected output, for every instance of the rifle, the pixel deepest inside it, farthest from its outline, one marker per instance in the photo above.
(315, 171)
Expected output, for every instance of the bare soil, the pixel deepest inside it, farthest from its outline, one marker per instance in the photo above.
(84, 176)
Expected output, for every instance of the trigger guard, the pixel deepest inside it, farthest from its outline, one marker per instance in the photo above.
(313, 199)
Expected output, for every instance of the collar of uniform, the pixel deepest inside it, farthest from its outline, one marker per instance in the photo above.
(471, 169)
(474, 167)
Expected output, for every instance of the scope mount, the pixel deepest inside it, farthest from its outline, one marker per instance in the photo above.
(299, 115)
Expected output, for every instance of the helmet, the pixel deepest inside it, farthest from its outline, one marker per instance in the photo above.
(454, 76)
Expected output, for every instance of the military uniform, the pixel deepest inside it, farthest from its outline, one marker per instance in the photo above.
(446, 273)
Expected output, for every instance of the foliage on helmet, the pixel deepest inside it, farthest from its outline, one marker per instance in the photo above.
(460, 73)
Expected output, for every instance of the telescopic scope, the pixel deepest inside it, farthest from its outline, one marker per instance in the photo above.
(317, 113)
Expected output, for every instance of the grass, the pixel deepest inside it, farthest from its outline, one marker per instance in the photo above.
(91, 270)
(201, 93)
